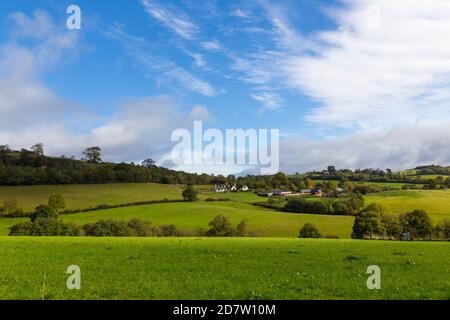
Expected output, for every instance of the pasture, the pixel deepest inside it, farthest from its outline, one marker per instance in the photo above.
(89, 195)
(435, 202)
(231, 268)
(193, 216)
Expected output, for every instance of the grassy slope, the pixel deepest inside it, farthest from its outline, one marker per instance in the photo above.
(435, 202)
(193, 216)
(170, 268)
(85, 196)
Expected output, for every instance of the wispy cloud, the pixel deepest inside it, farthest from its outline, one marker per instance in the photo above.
(139, 50)
(211, 45)
(386, 64)
(270, 100)
(177, 22)
(239, 13)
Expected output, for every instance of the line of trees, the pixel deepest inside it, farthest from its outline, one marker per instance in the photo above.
(30, 167)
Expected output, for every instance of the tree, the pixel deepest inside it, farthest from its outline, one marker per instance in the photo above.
(9, 206)
(4, 148)
(417, 223)
(331, 169)
(38, 149)
(220, 227)
(190, 194)
(56, 201)
(309, 230)
(443, 229)
(93, 154)
(44, 212)
(241, 229)
(280, 179)
(148, 163)
(367, 225)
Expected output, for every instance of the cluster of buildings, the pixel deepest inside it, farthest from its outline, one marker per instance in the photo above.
(277, 193)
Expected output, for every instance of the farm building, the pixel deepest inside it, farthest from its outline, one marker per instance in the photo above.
(281, 193)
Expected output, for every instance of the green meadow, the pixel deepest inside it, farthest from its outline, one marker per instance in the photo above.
(435, 202)
(195, 216)
(90, 195)
(231, 268)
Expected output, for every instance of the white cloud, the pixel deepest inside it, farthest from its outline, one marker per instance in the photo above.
(178, 23)
(24, 100)
(211, 45)
(270, 100)
(239, 13)
(140, 51)
(398, 149)
(379, 70)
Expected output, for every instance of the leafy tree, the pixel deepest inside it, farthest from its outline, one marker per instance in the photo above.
(56, 201)
(305, 206)
(93, 154)
(367, 225)
(392, 226)
(443, 229)
(108, 228)
(309, 230)
(38, 149)
(9, 206)
(417, 223)
(44, 212)
(220, 227)
(241, 229)
(4, 148)
(168, 231)
(190, 194)
(148, 163)
(280, 179)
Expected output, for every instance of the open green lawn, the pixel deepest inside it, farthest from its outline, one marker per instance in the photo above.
(435, 202)
(192, 216)
(233, 268)
(85, 196)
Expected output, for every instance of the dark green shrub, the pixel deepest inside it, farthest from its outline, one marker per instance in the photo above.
(368, 225)
(305, 206)
(309, 230)
(141, 228)
(45, 212)
(108, 228)
(190, 194)
(241, 229)
(220, 227)
(44, 227)
(168, 231)
(417, 224)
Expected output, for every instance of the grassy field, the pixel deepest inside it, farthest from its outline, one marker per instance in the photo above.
(435, 202)
(85, 196)
(199, 268)
(247, 197)
(192, 216)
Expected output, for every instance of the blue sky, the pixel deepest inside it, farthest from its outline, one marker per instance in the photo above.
(344, 81)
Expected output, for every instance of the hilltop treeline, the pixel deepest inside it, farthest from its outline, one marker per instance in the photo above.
(32, 167)
(28, 168)
(433, 170)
